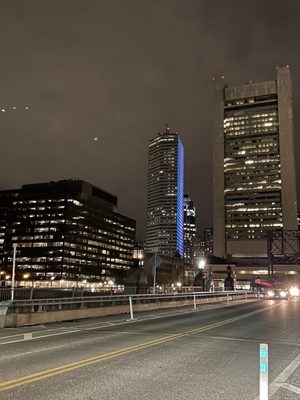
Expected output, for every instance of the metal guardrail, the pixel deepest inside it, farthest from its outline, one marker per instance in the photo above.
(69, 303)
(44, 293)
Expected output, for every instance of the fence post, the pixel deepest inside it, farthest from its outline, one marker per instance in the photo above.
(81, 295)
(195, 304)
(246, 295)
(130, 308)
(227, 298)
(31, 297)
(263, 372)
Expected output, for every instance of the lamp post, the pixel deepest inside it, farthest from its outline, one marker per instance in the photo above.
(200, 273)
(13, 272)
(111, 283)
(202, 264)
(179, 284)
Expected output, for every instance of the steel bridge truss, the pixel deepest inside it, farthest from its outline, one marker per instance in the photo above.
(283, 247)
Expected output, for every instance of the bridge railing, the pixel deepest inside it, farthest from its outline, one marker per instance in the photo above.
(69, 303)
(29, 293)
(45, 293)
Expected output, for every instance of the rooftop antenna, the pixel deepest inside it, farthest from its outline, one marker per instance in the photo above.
(167, 128)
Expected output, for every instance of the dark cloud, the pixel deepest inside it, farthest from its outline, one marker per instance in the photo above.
(117, 70)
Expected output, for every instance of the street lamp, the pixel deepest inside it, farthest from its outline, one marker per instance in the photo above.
(110, 283)
(26, 276)
(202, 263)
(179, 284)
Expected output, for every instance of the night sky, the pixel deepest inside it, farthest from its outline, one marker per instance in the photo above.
(117, 70)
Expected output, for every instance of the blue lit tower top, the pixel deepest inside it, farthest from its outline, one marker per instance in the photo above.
(180, 193)
(165, 219)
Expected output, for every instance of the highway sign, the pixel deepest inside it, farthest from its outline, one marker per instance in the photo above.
(155, 260)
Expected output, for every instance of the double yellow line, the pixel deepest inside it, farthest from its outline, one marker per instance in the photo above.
(103, 357)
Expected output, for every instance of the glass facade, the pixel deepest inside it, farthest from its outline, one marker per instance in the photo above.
(67, 230)
(189, 230)
(180, 195)
(164, 232)
(252, 168)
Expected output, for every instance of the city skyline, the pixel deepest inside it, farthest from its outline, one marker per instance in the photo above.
(83, 93)
(149, 220)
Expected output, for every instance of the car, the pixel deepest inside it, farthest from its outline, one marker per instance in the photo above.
(294, 291)
(278, 293)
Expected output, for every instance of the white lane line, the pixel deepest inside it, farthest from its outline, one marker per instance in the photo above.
(283, 343)
(280, 381)
(27, 336)
(291, 388)
(66, 328)
(287, 372)
(38, 337)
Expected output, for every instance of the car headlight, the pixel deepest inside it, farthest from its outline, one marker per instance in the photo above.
(270, 293)
(282, 293)
(294, 291)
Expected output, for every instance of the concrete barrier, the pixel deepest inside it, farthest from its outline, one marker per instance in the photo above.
(44, 317)
(2, 321)
(66, 315)
(4, 306)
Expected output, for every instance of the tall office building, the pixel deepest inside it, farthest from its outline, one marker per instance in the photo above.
(254, 166)
(208, 237)
(189, 230)
(67, 230)
(164, 232)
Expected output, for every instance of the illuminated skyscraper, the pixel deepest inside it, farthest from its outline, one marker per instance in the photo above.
(165, 194)
(189, 230)
(254, 166)
(208, 237)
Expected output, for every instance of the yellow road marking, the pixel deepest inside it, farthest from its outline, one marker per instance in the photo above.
(103, 357)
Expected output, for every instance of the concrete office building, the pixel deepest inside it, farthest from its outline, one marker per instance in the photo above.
(164, 232)
(254, 166)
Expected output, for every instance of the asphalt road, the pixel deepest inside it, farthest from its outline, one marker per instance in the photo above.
(210, 354)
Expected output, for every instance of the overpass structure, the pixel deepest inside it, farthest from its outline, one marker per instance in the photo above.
(283, 248)
(283, 259)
